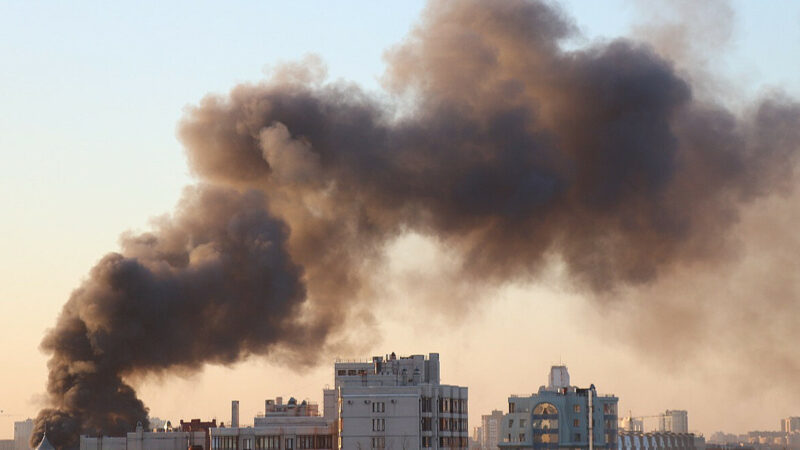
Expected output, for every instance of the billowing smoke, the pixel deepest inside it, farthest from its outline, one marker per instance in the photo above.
(503, 147)
(213, 283)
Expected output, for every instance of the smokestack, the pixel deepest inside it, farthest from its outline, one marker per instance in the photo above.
(511, 153)
(235, 414)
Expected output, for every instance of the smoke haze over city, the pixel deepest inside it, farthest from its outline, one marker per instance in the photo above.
(621, 186)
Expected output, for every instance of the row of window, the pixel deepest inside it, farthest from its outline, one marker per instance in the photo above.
(315, 442)
(611, 438)
(268, 442)
(446, 442)
(456, 405)
(547, 408)
(351, 372)
(540, 424)
(379, 443)
(273, 442)
(451, 424)
(445, 405)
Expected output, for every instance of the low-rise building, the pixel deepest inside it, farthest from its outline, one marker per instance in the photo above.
(149, 440)
(282, 426)
(634, 440)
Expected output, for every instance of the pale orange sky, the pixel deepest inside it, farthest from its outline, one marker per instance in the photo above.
(88, 148)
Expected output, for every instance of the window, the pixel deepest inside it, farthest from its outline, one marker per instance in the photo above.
(351, 372)
(378, 407)
(324, 442)
(426, 442)
(609, 408)
(341, 372)
(577, 437)
(247, 444)
(289, 443)
(378, 424)
(268, 442)
(545, 409)
(522, 437)
(511, 408)
(576, 423)
(510, 423)
(545, 417)
(378, 442)
(545, 438)
(427, 404)
(576, 408)
(522, 423)
(426, 424)
(226, 443)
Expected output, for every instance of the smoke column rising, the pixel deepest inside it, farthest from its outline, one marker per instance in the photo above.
(512, 151)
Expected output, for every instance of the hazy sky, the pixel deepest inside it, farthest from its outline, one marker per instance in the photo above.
(90, 94)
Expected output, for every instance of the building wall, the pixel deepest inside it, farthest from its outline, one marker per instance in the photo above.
(286, 434)
(7, 444)
(380, 414)
(790, 424)
(491, 425)
(659, 441)
(145, 440)
(398, 403)
(530, 422)
(22, 434)
(560, 416)
(103, 443)
(674, 421)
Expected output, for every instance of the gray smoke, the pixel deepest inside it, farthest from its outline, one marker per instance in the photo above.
(513, 150)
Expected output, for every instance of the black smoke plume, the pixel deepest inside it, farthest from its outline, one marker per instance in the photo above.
(503, 146)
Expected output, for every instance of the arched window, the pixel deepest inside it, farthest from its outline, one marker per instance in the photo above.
(545, 420)
(544, 409)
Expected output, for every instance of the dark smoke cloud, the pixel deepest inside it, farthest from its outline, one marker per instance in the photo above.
(504, 148)
(213, 283)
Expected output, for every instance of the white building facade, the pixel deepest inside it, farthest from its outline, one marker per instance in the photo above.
(491, 425)
(399, 403)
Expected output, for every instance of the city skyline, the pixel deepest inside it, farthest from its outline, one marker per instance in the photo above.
(90, 155)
